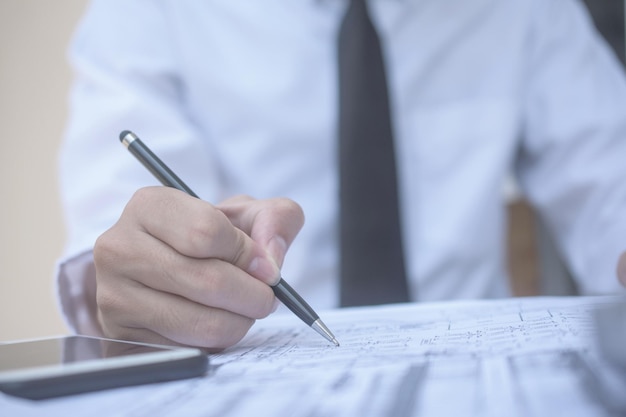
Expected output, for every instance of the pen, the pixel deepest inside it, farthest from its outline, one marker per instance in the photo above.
(283, 291)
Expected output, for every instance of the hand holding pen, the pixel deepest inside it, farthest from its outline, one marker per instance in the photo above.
(177, 270)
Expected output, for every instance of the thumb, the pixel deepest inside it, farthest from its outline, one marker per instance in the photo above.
(272, 223)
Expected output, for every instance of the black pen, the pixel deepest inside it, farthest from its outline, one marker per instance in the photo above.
(282, 290)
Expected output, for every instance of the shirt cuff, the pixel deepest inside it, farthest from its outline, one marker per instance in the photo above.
(76, 290)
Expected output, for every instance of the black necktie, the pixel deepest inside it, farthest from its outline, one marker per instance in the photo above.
(372, 261)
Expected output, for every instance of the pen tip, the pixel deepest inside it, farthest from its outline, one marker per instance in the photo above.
(321, 328)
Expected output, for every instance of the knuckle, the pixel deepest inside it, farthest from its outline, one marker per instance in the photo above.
(288, 205)
(206, 229)
(164, 316)
(240, 255)
(218, 333)
(288, 209)
(142, 196)
(111, 251)
(200, 233)
(109, 302)
(240, 198)
(106, 249)
(208, 283)
(221, 336)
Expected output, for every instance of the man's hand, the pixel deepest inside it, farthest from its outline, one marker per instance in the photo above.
(177, 270)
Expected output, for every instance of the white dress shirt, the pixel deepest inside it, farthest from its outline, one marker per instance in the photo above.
(241, 97)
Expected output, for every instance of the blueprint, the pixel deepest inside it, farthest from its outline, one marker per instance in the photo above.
(513, 357)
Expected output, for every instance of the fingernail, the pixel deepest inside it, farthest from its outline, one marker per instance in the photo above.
(264, 269)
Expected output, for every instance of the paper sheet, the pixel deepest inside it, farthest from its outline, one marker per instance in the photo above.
(515, 357)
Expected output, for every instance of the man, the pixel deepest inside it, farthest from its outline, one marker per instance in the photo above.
(240, 98)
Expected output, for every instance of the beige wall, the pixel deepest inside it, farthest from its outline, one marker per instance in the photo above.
(34, 78)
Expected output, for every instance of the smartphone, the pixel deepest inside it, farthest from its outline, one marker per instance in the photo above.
(58, 366)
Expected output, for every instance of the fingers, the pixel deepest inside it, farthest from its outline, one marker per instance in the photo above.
(197, 229)
(273, 223)
(177, 270)
(149, 292)
(167, 319)
(212, 282)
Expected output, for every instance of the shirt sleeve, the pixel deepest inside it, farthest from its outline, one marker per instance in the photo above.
(76, 291)
(126, 76)
(571, 164)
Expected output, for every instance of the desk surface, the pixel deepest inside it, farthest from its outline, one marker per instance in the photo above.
(526, 357)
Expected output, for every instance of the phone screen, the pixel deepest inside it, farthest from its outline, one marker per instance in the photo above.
(65, 350)
(46, 368)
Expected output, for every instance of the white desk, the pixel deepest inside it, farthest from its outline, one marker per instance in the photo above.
(517, 357)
